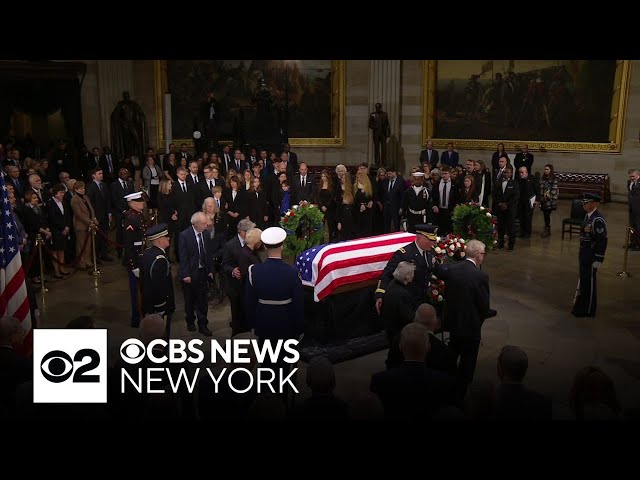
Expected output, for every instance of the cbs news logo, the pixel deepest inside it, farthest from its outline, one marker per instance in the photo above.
(69, 366)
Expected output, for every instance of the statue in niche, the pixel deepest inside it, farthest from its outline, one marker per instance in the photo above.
(129, 135)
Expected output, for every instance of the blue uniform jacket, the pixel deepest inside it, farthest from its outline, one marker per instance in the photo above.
(275, 307)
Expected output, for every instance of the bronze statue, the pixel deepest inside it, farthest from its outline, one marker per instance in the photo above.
(379, 125)
(129, 129)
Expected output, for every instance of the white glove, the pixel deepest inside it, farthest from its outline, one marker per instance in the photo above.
(596, 264)
(136, 272)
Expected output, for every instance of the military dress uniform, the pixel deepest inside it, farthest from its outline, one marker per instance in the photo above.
(424, 262)
(416, 206)
(593, 244)
(133, 234)
(157, 281)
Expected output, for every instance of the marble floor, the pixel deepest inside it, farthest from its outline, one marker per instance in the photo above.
(532, 289)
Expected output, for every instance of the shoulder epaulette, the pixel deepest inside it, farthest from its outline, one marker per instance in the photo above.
(401, 249)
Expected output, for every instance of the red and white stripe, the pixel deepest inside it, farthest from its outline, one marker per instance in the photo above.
(355, 261)
(13, 300)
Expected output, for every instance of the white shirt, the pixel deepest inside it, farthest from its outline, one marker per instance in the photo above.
(198, 242)
(59, 203)
(303, 180)
(444, 199)
(504, 185)
(417, 189)
(472, 261)
(194, 178)
(481, 196)
(241, 240)
(154, 173)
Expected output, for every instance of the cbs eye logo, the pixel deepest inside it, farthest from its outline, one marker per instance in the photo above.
(69, 366)
(57, 366)
(132, 351)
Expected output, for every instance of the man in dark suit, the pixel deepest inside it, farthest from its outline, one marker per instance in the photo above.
(35, 184)
(303, 185)
(506, 195)
(99, 196)
(523, 159)
(118, 190)
(184, 196)
(196, 264)
(232, 277)
(93, 162)
(513, 401)
(238, 164)
(292, 157)
(392, 191)
(449, 157)
(446, 196)
(634, 208)
(193, 180)
(466, 306)
(13, 178)
(429, 155)
(109, 164)
(226, 159)
(413, 391)
(184, 154)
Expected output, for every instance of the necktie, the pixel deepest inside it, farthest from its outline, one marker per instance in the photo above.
(210, 185)
(444, 195)
(184, 187)
(195, 179)
(110, 164)
(218, 202)
(424, 254)
(100, 186)
(238, 165)
(303, 181)
(391, 185)
(124, 185)
(201, 250)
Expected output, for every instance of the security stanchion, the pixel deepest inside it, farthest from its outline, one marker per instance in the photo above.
(96, 272)
(624, 273)
(39, 246)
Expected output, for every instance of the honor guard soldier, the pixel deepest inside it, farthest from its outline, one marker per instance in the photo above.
(416, 203)
(157, 281)
(275, 308)
(132, 235)
(593, 244)
(417, 252)
(274, 293)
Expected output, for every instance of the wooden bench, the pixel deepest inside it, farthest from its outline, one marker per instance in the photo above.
(573, 184)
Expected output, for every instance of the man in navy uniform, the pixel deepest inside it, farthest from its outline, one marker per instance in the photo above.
(593, 244)
(157, 281)
(133, 233)
(274, 293)
(417, 252)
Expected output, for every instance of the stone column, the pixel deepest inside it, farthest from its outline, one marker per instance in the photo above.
(384, 87)
(114, 77)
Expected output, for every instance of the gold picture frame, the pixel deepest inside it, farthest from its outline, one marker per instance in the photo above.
(616, 120)
(337, 110)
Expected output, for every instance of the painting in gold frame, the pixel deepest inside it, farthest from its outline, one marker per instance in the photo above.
(551, 103)
(336, 109)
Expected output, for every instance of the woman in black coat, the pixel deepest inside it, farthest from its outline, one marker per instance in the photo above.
(247, 256)
(167, 211)
(237, 205)
(257, 203)
(59, 217)
(398, 305)
(482, 182)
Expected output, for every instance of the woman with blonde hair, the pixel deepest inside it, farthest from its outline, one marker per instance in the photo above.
(247, 179)
(363, 205)
(483, 182)
(83, 216)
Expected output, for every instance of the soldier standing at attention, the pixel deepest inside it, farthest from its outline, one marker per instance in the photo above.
(415, 203)
(419, 253)
(593, 244)
(157, 281)
(133, 232)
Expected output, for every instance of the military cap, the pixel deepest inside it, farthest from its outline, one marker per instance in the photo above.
(590, 197)
(428, 230)
(157, 231)
(273, 236)
(134, 197)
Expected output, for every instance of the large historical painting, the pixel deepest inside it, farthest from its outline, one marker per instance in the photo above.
(303, 99)
(552, 104)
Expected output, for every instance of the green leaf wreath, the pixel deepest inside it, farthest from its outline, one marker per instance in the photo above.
(473, 221)
(304, 225)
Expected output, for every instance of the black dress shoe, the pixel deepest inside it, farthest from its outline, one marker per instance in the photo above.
(205, 331)
(191, 327)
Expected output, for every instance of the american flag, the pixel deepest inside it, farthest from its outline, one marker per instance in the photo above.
(13, 289)
(327, 267)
